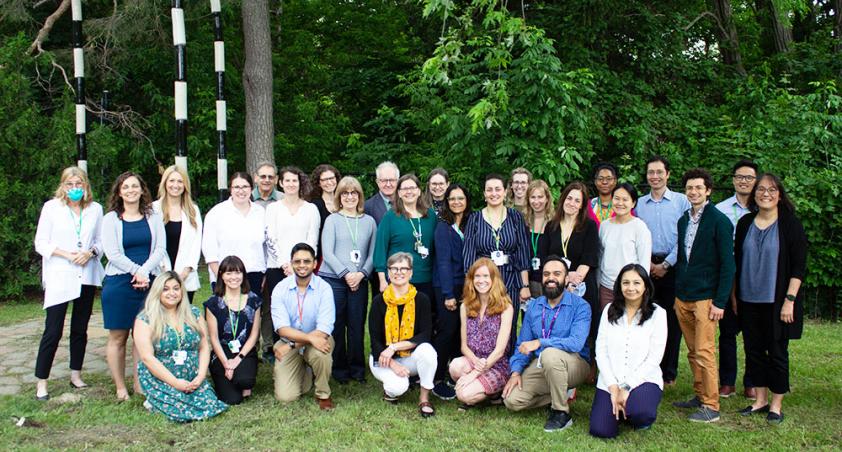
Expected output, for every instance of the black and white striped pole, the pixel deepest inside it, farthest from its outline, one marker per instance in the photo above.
(221, 121)
(179, 39)
(79, 77)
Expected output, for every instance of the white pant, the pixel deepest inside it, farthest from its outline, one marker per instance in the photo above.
(421, 362)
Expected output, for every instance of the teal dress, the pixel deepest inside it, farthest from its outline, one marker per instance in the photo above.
(176, 405)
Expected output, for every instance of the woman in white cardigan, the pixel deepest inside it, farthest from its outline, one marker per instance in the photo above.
(68, 241)
(134, 240)
(182, 225)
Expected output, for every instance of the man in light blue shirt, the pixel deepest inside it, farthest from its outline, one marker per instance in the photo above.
(744, 176)
(303, 314)
(660, 210)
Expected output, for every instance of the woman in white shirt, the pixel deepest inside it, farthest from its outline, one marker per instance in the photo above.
(183, 227)
(68, 240)
(629, 347)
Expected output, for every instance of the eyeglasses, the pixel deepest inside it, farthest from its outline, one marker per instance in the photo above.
(656, 173)
(327, 179)
(771, 191)
(266, 176)
(438, 184)
(400, 270)
(605, 180)
(349, 194)
(407, 189)
(387, 181)
(742, 178)
(69, 184)
(519, 182)
(456, 199)
(240, 188)
(302, 261)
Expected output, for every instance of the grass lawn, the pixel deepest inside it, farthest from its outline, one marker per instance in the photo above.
(362, 421)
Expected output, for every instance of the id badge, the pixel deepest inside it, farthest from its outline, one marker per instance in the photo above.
(536, 263)
(500, 258)
(179, 356)
(234, 346)
(422, 250)
(355, 256)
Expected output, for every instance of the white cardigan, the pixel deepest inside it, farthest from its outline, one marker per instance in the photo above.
(189, 247)
(284, 231)
(631, 354)
(61, 279)
(112, 243)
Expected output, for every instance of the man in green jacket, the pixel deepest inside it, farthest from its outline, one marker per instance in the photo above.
(704, 276)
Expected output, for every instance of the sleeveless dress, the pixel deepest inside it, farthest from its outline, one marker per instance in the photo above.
(482, 339)
(176, 405)
(120, 301)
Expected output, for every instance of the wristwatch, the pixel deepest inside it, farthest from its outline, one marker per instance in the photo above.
(666, 265)
(392, 347)
(625, 386)
(790, 297)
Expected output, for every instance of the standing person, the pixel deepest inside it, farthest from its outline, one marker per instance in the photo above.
(448, 281)
(303, 314)
(605, 177)
(348, 240)
(703, 281)
(400, 326)
(771, 255)
(744, 175)
(172, 341)
(134, 242)
(624, 239)
(485, 316)
(631, 340)
(325, 178)
(437, 183)
(68, 240)
(232, 314)
(378, 204)
(552, 354)
(519, 182)
(500, 233)
(267, 179)
(410, 227)
(539, 212)
(660, 210)
(183, 227)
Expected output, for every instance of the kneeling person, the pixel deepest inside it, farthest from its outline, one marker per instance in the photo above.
(551, 353)
(303, 314)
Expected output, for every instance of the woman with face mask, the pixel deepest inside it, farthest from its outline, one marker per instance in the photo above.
(68, 241)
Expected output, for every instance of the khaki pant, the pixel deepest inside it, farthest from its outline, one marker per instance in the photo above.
(548, 384)
(700, 336)
(291, 376)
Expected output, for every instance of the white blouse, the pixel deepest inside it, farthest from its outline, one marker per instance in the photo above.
(189, 247)
(62, 280)
(285, 230)
(631, 354)
(230, 233)
(623, 244)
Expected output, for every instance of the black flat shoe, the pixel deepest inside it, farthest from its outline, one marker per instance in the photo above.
(42, 398)
(775, 418)
(748, 411)
(82, 386)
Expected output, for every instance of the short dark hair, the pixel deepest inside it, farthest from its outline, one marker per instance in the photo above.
(617, 308)
(230, 264)
(745, 163)
(605, 166)
(556, 258)
(240, 175)
(494, 176)
(698, 173)
(629, 188)
(302, 247)
(658, 158)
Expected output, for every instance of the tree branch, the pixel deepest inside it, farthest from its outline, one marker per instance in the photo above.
(44, 32)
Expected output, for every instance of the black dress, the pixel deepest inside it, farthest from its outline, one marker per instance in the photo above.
(323, 213)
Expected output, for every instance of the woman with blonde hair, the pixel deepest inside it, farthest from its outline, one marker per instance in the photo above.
(172, 340)
(519, 181)
(68, 240)
(486, 314)
(539, 212)
(183, 227)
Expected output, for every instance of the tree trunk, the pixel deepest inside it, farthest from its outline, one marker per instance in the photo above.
(838, 28)
(726, 31)
(779, 35)
(257, 84)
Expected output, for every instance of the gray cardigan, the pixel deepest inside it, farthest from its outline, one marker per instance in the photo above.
(337, 245)
(112, 243)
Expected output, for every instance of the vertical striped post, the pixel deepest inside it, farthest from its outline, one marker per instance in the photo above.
(221, 122)
(79, 77)
(179, 40)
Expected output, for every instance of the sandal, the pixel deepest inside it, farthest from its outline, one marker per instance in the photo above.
(423, 406)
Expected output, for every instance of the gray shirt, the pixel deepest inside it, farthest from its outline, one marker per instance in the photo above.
(760, 264)
(341, 236)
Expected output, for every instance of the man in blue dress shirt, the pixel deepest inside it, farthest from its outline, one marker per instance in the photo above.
(660, 210)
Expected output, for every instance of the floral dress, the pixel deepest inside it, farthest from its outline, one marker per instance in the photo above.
(482, 339)
(176, 405)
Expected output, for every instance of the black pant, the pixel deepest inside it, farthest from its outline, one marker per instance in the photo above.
(349, 329)
(767, 357)
(446, 339)
(54, 326)
(245, 376)
(665, 297)
(273, 277)
(729, 328)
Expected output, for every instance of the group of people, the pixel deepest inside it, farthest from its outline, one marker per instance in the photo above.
(608, 284)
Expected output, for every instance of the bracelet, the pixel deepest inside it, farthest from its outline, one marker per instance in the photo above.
(241, 356)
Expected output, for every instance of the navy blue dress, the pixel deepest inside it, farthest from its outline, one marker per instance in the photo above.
(120, 301)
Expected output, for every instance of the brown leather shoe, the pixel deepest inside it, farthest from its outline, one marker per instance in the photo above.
(750, 393)
(726, 391)
(325, 404)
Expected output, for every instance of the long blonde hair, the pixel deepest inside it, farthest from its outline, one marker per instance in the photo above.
(498, 298)
(69, 172)
(538, 184)
(157, 315)
(186, 201)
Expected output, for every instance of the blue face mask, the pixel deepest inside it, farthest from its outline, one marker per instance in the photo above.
(75, 194)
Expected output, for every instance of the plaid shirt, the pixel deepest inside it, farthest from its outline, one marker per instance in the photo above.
(692, 228)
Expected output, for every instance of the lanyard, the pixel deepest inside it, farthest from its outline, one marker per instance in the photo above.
(77, 228)
(301, 299)
(235, 321)
(356, 232)
(496, 232)
(178, 336)
(603, 213)
(564, 242)
(416, 232)
(458, 231)
(546, 333)
(534, 237)
(736, 218)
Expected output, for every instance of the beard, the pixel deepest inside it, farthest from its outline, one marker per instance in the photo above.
(552, 292)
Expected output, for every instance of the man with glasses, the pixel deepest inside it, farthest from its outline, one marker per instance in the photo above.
(744, 176)
(266, 181)
(387, 181)
(303, 314)
(660, 210)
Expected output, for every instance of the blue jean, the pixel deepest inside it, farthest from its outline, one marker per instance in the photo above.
(349, 329)
(641, 410)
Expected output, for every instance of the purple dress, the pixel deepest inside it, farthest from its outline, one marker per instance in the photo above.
(482, 339)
